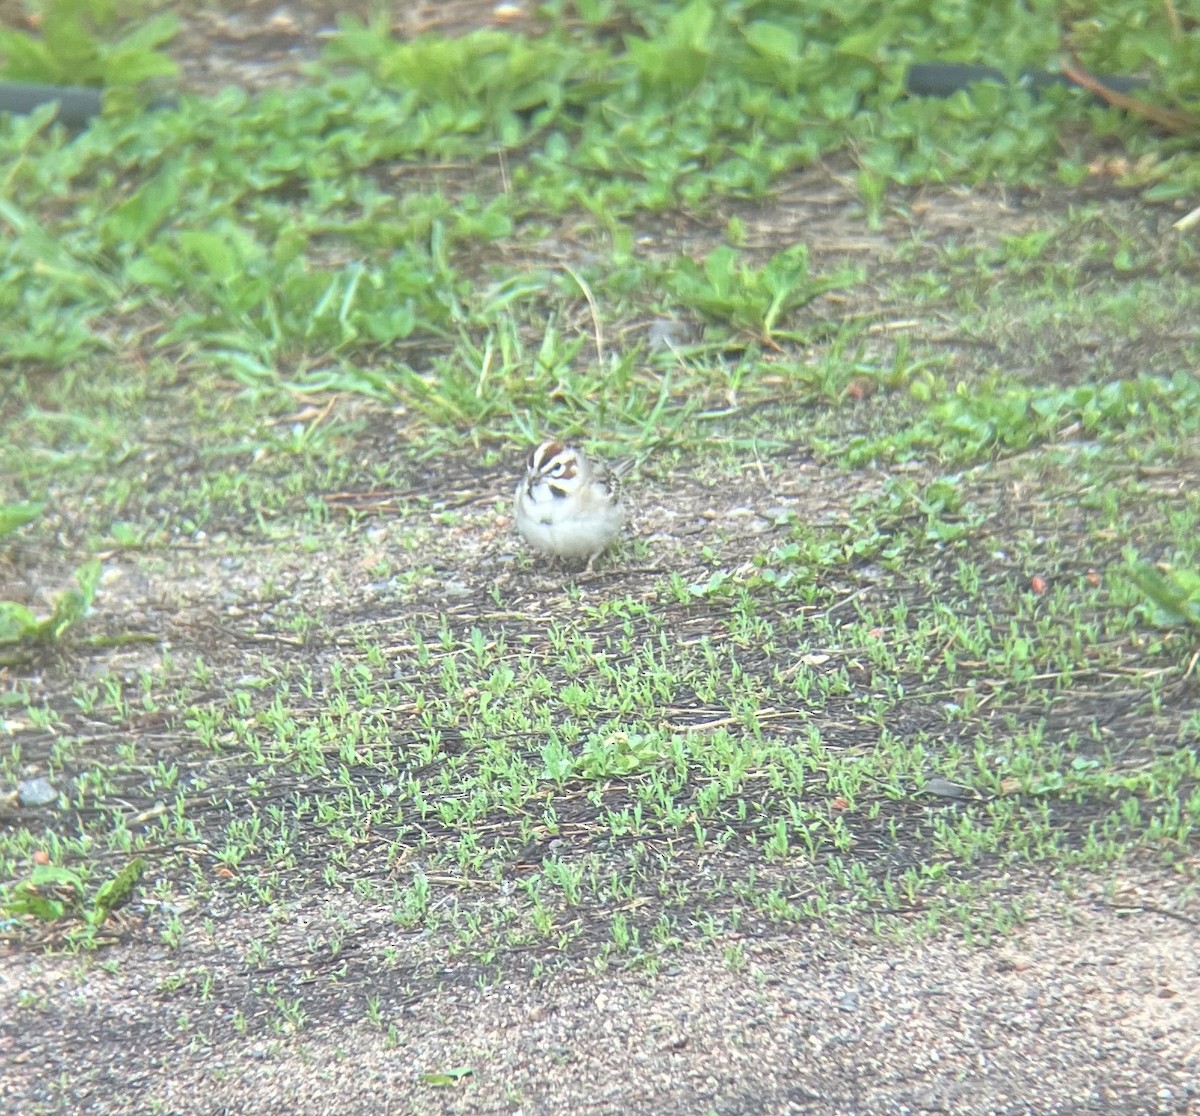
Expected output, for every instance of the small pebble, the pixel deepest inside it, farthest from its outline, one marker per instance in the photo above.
(36, 792)
(943, 788)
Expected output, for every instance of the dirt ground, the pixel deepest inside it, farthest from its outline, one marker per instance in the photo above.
(1091, 1006)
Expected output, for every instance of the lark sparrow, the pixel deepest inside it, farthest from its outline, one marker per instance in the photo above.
(567, 506)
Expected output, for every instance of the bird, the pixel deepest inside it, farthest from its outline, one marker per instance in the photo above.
(568, 506)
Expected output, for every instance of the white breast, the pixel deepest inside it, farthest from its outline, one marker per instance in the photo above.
(579, 525)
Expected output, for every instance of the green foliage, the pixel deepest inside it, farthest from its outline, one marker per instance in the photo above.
(51, 893)
(451, 90)
(75, 48)
(1172, 596)
(616, 754)
(19, 624)
(112, 893)
(1136, 38)
(676, 57)
(13, 516)
(445, 1079)
(979, 419)
(750, 298)
(282, 232)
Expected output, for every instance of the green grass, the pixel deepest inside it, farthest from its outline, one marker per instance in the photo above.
(272, 360)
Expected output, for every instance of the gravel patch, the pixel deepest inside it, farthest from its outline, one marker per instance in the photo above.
(1085, 1010)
